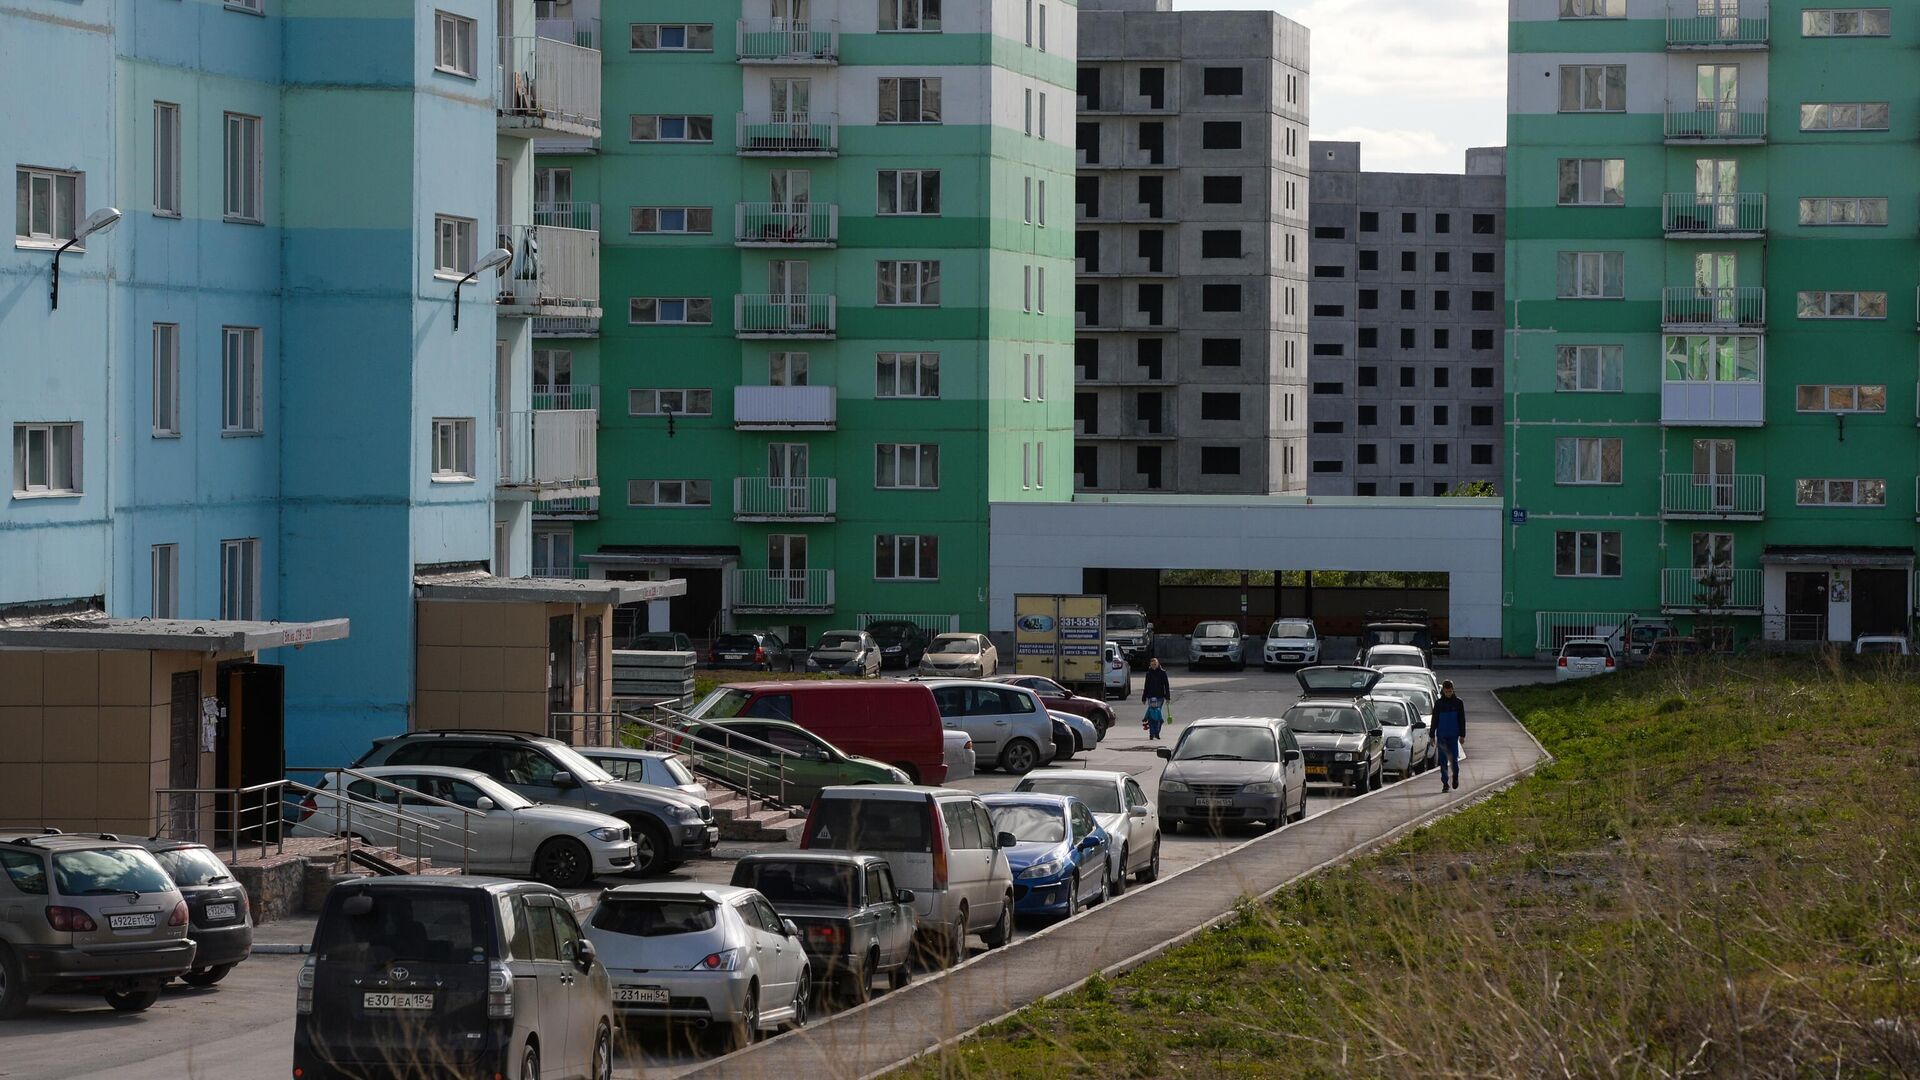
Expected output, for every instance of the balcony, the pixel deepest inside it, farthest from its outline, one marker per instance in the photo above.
(784, 41)
(580, 396)
(568, 215)
(555, 271)
(1685, 589)
(582, 32)
(779, 498)
(1713, 403)
(1709, 124)
(548, 87)
(568, 508)
(570, 573)
(1686, 33)
(566, 326)
(775, 225)
(788, 315)
(777, 592)
(784, 408)
(1713, 497)
(1691, 307)
(1738, 216)
(788, 135)
(549, 453)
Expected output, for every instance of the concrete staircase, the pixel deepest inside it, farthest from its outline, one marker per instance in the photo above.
(758, 822)
(293, 881)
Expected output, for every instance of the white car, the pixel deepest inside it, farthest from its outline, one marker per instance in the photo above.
(1117, 673)
(959, 756)
(1882, 645)
(1410, 746)
(1291, 641)
(1121, 807)
(1401, 675)
(500, 831)
(1581, 657)
(965, 656)
(656, 767)
(1385, 656)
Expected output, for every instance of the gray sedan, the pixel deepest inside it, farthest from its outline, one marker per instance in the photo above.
(846, 652)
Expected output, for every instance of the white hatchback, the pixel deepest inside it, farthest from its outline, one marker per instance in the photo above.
(1291, 641)
(1581, 657)
(1118, 674)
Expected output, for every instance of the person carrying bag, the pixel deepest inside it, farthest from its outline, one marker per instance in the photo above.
(1156, 694)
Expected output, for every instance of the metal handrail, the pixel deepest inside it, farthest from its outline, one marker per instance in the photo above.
(763, 780)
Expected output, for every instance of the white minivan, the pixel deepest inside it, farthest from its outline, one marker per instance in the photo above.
(941, 844)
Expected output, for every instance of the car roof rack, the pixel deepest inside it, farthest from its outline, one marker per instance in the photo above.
(520, 735)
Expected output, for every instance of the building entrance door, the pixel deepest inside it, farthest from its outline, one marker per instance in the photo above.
(1806, 605)
(251, 748)
(1879, 602)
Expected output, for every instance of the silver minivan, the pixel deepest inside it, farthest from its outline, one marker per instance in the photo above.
(1010, 727)
(942, 846)
(1233, 771)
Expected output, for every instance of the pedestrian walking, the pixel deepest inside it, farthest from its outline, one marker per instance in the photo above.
(1156, 694)
(1450, 727)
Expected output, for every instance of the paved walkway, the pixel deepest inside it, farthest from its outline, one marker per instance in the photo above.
(1123, 933)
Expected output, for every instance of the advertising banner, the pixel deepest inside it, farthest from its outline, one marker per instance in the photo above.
(1059, 637)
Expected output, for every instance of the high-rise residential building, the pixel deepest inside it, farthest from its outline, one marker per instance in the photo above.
(1709, 269)
(1405, 339)
(835, 240)
(1190, 249)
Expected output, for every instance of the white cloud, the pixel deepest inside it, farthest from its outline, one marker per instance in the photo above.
(1394, 150)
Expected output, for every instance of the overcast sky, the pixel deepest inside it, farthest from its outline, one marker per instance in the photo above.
(1415, 82)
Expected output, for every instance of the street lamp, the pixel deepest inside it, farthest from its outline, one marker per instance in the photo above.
(492, 260)
(99, 221)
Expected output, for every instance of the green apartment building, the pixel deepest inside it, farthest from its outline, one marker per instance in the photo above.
(1711, 268)
(836, 269)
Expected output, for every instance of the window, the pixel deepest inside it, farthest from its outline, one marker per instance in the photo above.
(1367, 376)
(46, 205)
(1842, 305)
(1440, 455)
(669, 493)
(1406, 454)
(1329, 271)
(166, 159)
(1442, 223)
(1844, 116)
(1369, 259)
(1592, 368)
(1221, 81)
(165, 563)
(1219, 352)
(1409, 261)
(1593, 9)
(240, 412)
(1840, 492)
(670, 311)
(1482, 262)
(670, 37)
(1712, 358)
(1369, 221)
(453, 242)
(910, 15)
(1408, 335)
(1369, 337)
(906, 557)
(1220, 189)
(1220, 135)
(1483, 301)
(1222, 406)
(670, 219)
(1593, 88)
(166, 380)
(1592, 275)
(1220, 461)
(909, 283)
(1480, 454)
(1441, 377)
(1406, 411)
(1442, 262)
(1219, 298)
(1442, 300)
(244, 196)
(909, 191)
(669, 402)
(46, 459)
(1843, 211)
(669, 127)
(1367, 454)
(906, 465)
(1840, 399)
(909, 101)
(453, 38)
(1593, 181)
(1480, 416)
(453, 448)
(1846, 22)
(1481, 377)
(1586, 460)
(1330, 388)
(240, 579)
(907, 375)
(1329, 232)
(1586, 554)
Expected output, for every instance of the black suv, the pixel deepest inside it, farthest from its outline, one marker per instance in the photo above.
(218, 917)
(902, 643)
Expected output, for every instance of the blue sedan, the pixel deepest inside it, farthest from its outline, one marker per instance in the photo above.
(1059, 861)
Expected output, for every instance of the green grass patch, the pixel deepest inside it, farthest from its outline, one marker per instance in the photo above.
(1718, 875)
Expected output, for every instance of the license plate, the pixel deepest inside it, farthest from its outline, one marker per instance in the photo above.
(1213, 802)
(1316, 770)
(733, 656)
(221, 911)
(1290, 656)
(640, 995)
(713, 835)
(131, 922)
(410, 1002)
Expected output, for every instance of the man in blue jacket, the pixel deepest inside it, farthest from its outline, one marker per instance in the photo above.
(1450, 727)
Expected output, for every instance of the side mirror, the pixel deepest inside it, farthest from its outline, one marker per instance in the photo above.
(1006, 840)
(1289, 755)
(563, 779)
(583, 954)
(1138, 811)
(1419, 725)
(1164, 752)
(904, 896)
(1090, 843)
(789, 927)
(483, 804)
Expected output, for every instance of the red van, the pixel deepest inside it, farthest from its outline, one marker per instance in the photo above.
(894, 722)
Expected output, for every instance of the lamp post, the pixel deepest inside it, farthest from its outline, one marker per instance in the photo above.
(99, 221)
(492, 260)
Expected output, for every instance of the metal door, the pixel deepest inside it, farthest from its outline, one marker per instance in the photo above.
(1879, 602)
(560, 664)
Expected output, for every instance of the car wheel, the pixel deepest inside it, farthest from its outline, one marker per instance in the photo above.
(602, 1064)
(1064, 750)
(1358, 786)
(899, 977)
(530, 1063)
(1105, 890)
(742, 1030)
(1001, 931)
(857, 987)
(1152, 872)
(13, 985)
(206, 976)
(1117, 883)
(954, 948)
(1019, 757)
(563, 863)
(132, 1001)
(1073, 896)
(650, 847)
(1378, 778)
(802, 997)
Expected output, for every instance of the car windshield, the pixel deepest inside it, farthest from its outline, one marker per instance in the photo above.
(656, 643)
(1101, 796)
(655, 916)
(1216, 630)
(1416, 697)
(193, 866)
(1318, 719)
(802, 881)
(722, 704)
(583, 770)
(952, 646)
(1126, 620)
(1230, 743)
(1031, 824)
(736, 642)
(1392, 713)
(891, 631)
(1870, 646)
(839, 641)
(1587, 650)
(425, 925)
(108, 871)
(1290, 628)
(1378, 636)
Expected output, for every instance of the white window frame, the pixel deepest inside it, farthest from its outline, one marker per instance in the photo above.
(455, 241)
(1855, 400)
(455, 44)
(904, 547)
(166, 159)
(654, 220)
(637, 121)
(1844, 304)
(244, 159)
(1593, 9)
(918, 370)
(166, 380)
(691, 34)
(240, 578)
(662, 401)
(1860, 491)
(1845, 115)
(60, 452)
(907, 283)
(909, 17)
(1588, 458)
(1594, 369)
(669, 494)
(241, 393)
(895, 87)
(922, 459)
(247, 7)
(1846, 22)
(691, 308)
(57, 232)
(452, 449)
(1593, 182)
(1593, 268)
(1576, 75)
(894, 184)
(1590, 553)
(163, 563)
(1843, 211)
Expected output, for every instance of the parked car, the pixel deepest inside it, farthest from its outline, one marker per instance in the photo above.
(218, 915)
(714, 956)
(1407, 736)
(668, 827)
(1121, 807)
(1072, 734)
(1418, 698)
(894, 721)
(1058, 698)
(810, 762)
(941, 845)
(1127, 627)
(660, 641)
(1407, 656)
(88, 914)
(757, 651)
(1669, 648)
(1882, 645)
(655, 767)
(412, 976)
(1009, 725)
(1216, 641)
(1397, 632)
(846, 652)
(967, 656)
(1291, 641)
(1404, 675)
(960, 758)
(1119, 674)
(484, 826)
(1641, 636)
(854, 921)
(902, 643)
(1060, 858)
(1581, 657)
(1230, 771)
(1338, 728)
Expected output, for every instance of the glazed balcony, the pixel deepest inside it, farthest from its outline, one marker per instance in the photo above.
(807, 224)
(1708, 124)
(784, 408)
(548, 87)
(1685, 589)
(779, 498)
(1738, 216)
(1713, 497)
(1690, 307)
(784, 41)
(774, 592)
(785, 315)
(555, 271)
(788, 134)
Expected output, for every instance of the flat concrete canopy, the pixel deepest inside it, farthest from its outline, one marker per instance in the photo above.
(549, 590)
(175, 635)
(1045, 547)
